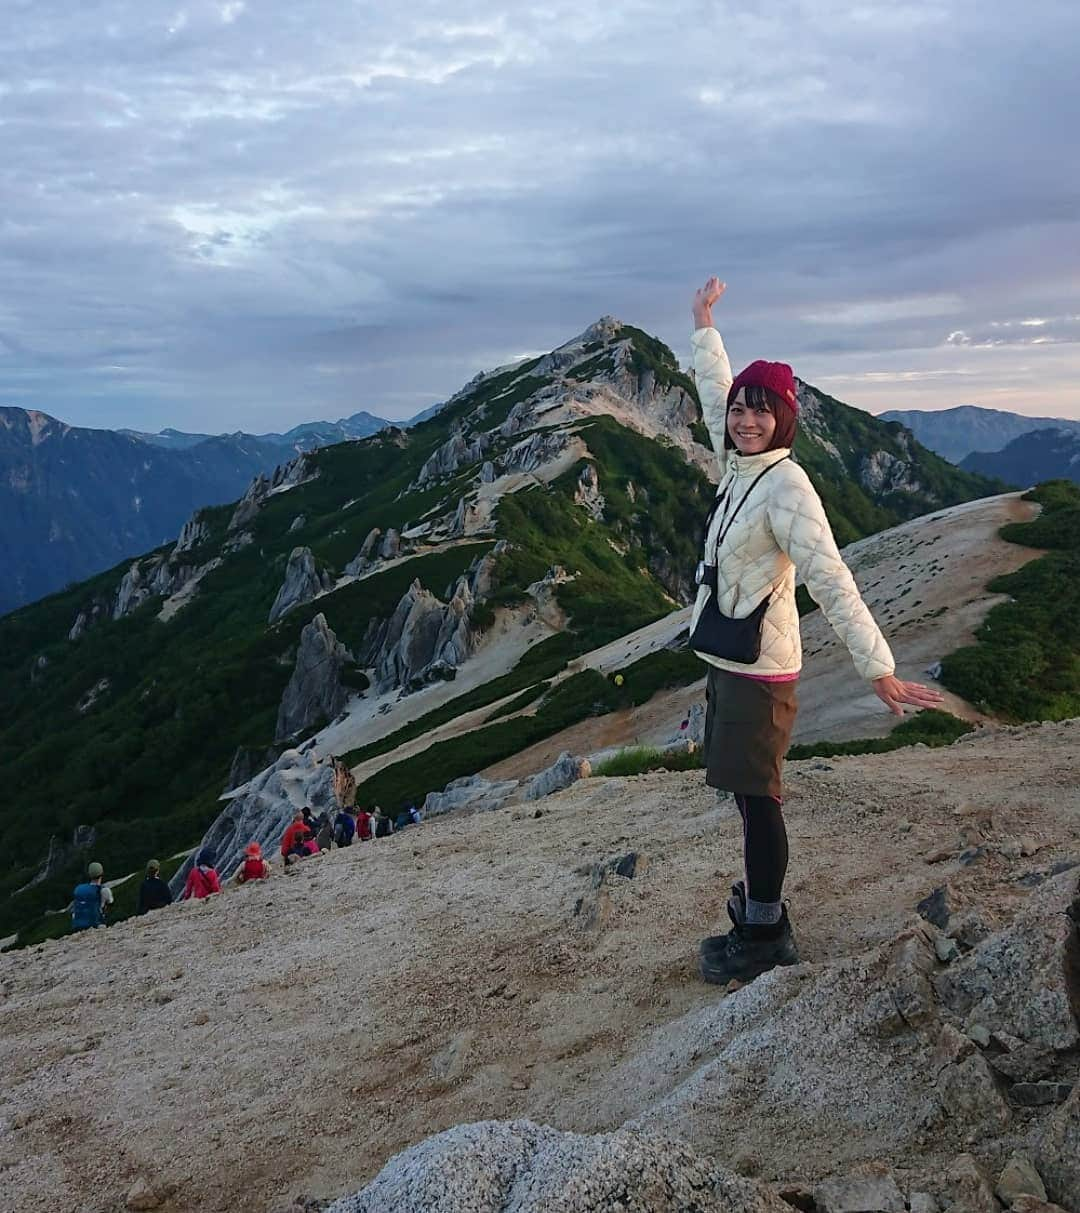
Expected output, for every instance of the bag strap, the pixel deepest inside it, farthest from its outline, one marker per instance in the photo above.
(728, 522)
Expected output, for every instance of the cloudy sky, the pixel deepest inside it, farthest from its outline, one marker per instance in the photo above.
(242, 214)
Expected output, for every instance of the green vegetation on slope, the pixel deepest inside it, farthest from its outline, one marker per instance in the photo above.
(929, 727)
(1025, 663)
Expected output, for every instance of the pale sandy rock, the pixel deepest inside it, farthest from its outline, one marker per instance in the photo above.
(522, 1167)
(860, 1194)
(487, 472)
(1019, 1178)
(456, 452)
(143, 1196)
(297, 523)
(1016, 980)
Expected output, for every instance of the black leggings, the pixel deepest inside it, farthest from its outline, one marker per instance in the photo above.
(765, 846)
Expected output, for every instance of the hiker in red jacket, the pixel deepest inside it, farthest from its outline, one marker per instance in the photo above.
(202, 880)
(365, 826)
(294, 832)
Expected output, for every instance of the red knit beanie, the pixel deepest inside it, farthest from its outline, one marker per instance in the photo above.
(776, 376)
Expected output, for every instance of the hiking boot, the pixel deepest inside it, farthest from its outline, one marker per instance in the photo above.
(748, 949)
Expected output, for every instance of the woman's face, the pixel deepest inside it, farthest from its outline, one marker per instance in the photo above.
(751, 429)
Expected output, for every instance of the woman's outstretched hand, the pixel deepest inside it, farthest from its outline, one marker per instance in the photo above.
(704, 298)
(893, 692)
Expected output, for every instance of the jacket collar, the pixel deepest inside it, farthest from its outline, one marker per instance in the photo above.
(751, 465)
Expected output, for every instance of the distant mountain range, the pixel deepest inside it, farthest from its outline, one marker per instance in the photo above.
(956, 433)
(307, 437)
(1031, 458)
(75, 501)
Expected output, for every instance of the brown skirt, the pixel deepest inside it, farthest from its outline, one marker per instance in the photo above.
(748, 727)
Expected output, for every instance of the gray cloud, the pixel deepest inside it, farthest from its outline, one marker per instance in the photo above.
(243, 215)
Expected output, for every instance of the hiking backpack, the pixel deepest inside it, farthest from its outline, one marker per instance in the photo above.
(86, 907)
(363, 826)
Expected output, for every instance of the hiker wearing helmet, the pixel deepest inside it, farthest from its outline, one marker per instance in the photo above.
(766, 524)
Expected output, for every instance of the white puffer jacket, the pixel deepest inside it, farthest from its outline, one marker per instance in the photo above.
(780, 528)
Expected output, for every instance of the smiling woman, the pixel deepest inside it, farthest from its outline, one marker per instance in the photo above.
(767, 520)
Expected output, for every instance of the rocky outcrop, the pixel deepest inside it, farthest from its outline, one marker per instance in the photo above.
(455, 453)
(298, 523)
(542, 447)
(478, 795)
(587, 493)
(95, 612)
(287, 476)
(248, 505)
(260, 811)
(363, 559)
(314, 694)
(423, 641)
(882, 472)
(390, 548)
(60, 854)
(482, 580)
(194, 532)
(303, 582)
(146, 579)
(472, 517)
(496, 1166)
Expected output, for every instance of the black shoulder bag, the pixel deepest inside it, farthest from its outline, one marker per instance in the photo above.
(717, 634)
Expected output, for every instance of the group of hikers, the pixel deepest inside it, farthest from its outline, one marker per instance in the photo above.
(306, 835)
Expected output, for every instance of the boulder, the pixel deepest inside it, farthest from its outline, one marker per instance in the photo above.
(494, 1166)
(1019, 1178)
(302, 583)
(1016, 981)
(472, 793)
(969, 1186)
(543, 446)
(314, 694)
(873, 1193)
(564, 771)
(1058, 1154)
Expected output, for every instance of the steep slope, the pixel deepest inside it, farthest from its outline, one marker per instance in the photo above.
(1045, 454)
(957, 432)
(558, 502)
(490, 968)
(75, 501)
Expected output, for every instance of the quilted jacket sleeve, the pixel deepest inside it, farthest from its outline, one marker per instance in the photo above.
(713, 374)
(799, 525)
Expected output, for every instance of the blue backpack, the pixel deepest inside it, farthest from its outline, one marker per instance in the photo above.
(86, 910)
